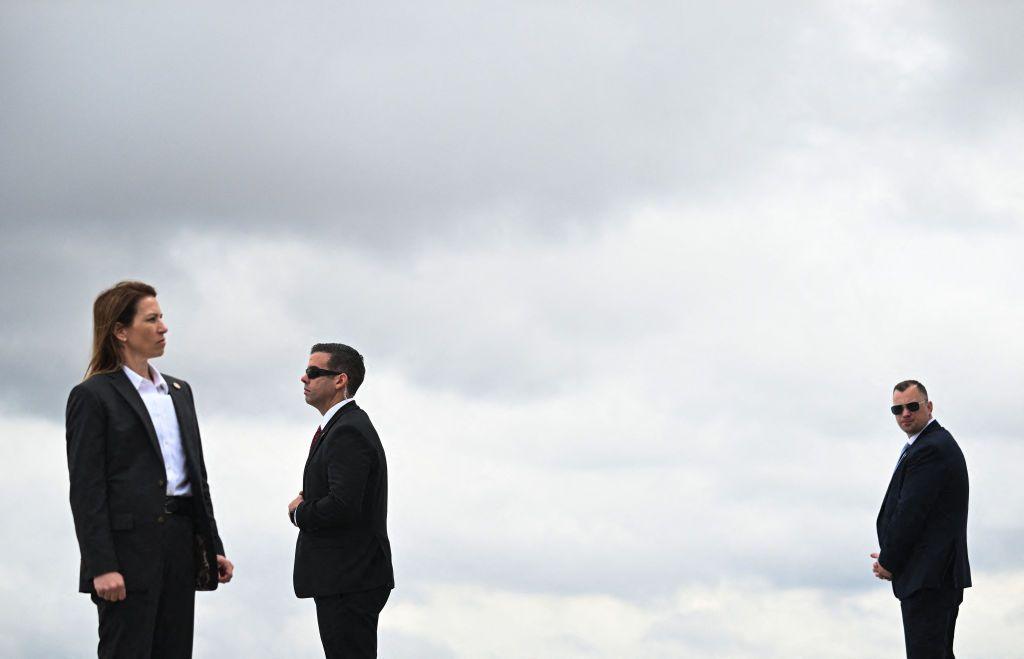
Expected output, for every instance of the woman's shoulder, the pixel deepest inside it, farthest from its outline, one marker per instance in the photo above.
(97, 381)
(96, 387)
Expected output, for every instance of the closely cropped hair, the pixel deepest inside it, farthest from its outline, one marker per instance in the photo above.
(116, 305)
(907, 384)
(344, 359)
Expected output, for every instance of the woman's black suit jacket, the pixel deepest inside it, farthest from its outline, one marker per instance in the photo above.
(118, 482)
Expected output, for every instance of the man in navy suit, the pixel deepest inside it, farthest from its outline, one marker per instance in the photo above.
(922, 527)
(342, 554)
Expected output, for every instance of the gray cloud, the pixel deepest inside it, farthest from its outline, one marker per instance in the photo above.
(397, 124)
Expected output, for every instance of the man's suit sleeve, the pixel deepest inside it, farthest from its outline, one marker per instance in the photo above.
(922, 483)
(87, 470)
(350, 457)
(218, 546)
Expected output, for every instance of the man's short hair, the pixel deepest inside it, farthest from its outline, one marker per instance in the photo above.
(907, 384)
(344, 359)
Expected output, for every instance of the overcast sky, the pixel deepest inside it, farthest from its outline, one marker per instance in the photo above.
(633, 282)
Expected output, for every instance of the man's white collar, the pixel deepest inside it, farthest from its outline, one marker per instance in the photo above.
(333, 410)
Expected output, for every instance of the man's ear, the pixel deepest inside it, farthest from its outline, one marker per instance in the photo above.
(341, 381)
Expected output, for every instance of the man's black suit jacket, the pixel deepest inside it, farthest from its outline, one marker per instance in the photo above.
(343, 544)
(118, 482)
(922, 525)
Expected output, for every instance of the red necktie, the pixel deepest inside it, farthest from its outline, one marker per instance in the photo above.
(316, 436)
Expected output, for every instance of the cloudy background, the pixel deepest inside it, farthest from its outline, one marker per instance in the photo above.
(633, 282)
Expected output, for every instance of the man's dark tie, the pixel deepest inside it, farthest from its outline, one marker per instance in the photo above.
(906, 447)
(316, 437)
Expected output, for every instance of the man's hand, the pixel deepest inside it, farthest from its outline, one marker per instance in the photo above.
(225, 569)
(294, 504)
(880, 571)
(110, 586)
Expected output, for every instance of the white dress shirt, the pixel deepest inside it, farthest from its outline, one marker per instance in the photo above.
(161, 412)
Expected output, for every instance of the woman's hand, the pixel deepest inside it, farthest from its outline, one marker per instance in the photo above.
(225, 569)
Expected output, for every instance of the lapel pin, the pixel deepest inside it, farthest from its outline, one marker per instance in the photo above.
(176, 385)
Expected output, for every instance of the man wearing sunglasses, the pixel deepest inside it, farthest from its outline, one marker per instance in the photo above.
(342, 555)
(922, 527)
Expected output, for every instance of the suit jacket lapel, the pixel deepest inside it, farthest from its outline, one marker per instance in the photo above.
(323, 433)
(918, 443)
(183, 410)
(931, 427)
(124, 387)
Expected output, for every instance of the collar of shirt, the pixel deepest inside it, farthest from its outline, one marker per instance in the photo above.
(139, 382)
(911, 440)
(334, 409)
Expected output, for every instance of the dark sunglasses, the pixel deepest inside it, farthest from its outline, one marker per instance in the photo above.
(898, 409)
(314, 372)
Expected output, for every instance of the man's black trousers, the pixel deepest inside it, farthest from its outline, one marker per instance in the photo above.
(929, 619)
(348, 623)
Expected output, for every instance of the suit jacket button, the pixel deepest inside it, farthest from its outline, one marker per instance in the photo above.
(160, 519)
(162, 483)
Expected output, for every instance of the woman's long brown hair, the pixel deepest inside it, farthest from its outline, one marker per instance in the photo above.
(115, 305)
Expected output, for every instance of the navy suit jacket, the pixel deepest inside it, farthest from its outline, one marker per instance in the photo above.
(118, 482)
(343, 544)
(922, 525)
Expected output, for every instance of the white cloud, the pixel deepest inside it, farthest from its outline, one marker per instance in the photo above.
(730, 619)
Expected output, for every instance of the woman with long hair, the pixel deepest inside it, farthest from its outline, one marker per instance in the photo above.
(139, 493)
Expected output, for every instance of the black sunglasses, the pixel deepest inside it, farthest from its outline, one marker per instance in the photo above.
(898, 409)
(314, 372)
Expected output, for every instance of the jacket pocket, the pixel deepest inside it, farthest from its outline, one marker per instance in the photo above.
(122, 522)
